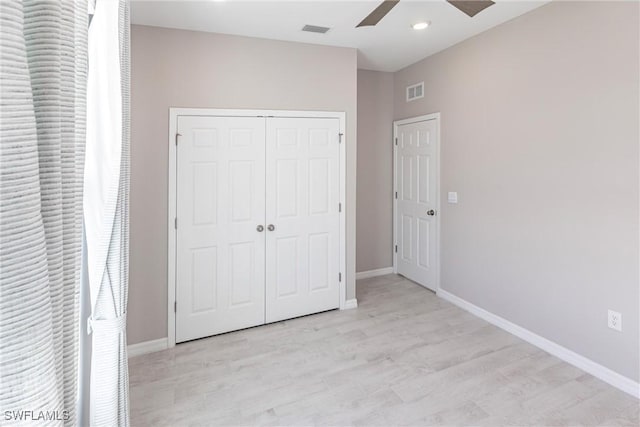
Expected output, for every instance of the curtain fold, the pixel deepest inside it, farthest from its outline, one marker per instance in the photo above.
(106, 209)
(43, 74)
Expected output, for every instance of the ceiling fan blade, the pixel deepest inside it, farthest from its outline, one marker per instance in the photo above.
(471, 7)
(378, 13)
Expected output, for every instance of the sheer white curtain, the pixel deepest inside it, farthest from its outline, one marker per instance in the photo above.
(43, 72)
(106, 210)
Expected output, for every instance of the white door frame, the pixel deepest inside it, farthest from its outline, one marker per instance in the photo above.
(174, 113)
(396, 123)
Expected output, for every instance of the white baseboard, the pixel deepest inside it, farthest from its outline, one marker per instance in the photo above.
(374, 273)
(605, 374)
(350, 303)
(147, 347)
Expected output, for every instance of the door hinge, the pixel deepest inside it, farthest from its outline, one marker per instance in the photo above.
(175, 306)
(396, 141)
(396, 194)
(177, 135)
(175, 223)
(396, 248)
(339, 207)
(340, 138)
(339, 277)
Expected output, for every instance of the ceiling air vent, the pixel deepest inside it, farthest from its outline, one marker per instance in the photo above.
(415, 91)
(315, 29)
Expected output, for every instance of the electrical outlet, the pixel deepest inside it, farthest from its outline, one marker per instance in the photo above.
(614, 320)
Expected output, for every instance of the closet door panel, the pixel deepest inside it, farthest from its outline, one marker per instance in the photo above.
(220, 202)
(302, 196)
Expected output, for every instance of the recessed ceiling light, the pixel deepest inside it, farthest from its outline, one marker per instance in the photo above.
(421, 25)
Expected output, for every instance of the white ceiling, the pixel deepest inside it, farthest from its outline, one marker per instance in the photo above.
(389, 46)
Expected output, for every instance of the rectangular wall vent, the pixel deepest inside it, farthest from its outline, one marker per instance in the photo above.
(315, 29)
(415, 91)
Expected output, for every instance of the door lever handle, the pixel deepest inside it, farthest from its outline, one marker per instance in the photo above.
(260, 229)
(431, 212)
(271, 227)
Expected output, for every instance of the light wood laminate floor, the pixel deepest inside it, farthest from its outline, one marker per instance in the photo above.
(403, 357)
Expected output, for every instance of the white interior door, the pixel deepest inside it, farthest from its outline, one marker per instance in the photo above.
(302, 210)
(416, 219)
(220, 202)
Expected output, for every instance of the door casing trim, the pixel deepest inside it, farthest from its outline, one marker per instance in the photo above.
(174, 113)
(396, 124)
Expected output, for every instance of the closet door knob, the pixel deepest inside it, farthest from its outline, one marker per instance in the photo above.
(260, 229)
(271, 227)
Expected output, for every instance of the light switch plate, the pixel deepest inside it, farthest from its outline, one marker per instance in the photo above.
(452, 197)
(614, 320)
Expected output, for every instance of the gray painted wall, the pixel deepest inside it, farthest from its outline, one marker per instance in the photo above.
(374, 231)
(175, 68)
(540, 122)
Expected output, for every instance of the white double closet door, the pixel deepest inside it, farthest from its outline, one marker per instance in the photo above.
(258, 223)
